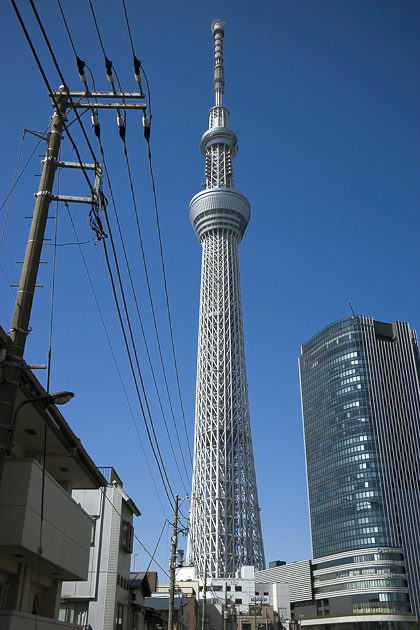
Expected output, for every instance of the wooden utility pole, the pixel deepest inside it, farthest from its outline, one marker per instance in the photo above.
(172, 567)
(12, 364)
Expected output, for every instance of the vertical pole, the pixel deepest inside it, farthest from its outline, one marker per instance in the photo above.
(203, 616)
(12, 363)
(225, 612)
(172, 567)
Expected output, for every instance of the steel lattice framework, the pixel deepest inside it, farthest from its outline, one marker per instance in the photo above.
(225, 529)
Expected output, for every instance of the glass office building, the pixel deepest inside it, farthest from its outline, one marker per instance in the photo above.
(361, 411)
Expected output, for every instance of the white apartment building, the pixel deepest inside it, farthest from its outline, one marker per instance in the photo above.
(104, 600)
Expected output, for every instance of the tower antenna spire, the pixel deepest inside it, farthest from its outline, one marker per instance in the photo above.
(218, 30)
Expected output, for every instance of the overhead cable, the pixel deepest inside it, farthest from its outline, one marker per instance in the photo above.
(122, 135)
(136, 537)
(147, 127)
(95, 297)
(156, 451)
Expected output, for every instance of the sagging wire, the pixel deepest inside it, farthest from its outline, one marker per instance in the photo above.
(136, 537)
(148, 421)
(44, 76)
(154, 321)
(17, 177)
(140, 320)
(110, 71)
(98, 306)
(94, 218)
(146, 132)
(108, 338)
(95, 122)
(41, 26)
(81, 65)
(136, 61)
(109, 74)
(149, 152)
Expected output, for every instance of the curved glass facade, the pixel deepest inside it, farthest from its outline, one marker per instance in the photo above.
(347, 505)
(361, 410)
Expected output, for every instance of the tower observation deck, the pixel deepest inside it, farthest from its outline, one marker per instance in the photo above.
(225, 529)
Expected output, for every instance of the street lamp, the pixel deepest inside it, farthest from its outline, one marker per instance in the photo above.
(56, 398)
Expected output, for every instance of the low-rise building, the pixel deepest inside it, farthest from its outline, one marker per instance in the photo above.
(139, 589)
(104, 600)
(159, 604)
(45, 534)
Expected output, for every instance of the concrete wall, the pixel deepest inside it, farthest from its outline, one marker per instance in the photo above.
(66, 526)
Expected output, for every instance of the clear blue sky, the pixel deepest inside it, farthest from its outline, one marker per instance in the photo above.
(324, 98)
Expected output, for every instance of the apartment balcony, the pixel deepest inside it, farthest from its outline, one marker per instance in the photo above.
(13, 620)
(66, 527)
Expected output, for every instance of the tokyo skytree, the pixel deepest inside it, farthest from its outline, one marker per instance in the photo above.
(225, 528)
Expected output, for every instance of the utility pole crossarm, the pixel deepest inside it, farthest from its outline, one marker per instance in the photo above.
(89, 100)
(122, 95)
(71, 199)
(87, 105)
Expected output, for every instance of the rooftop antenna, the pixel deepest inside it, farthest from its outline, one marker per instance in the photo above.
(351, 308)
(218, 29)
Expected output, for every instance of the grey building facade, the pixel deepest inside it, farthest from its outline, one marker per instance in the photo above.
(105, 600)
(361, 411)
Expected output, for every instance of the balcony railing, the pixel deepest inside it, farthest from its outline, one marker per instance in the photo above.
(66, 528)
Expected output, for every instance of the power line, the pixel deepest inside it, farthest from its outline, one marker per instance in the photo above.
(159, 234)
(50, 91)
(167, 295)
(67, 28)
(103, 490)
(157, 545)
(113, 355)
(156, 452)
(122, 134)
(74, 146)
(153, 311)
(147, 420)
(60, 74)
(155, 326)
(136, 61)
(17, 177)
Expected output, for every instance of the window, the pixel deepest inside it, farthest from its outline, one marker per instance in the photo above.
(238, 588)
(93, 531)
(122, 581)
(246, 625)
(228, 587)
(216, 587)
(238, 601)
(73, 612)
(127, 534)
(119, 617)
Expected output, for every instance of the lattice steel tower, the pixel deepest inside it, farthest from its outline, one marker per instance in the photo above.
(225, 529)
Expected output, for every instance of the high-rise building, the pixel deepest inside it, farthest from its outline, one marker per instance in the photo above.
(225, 529)
(361, 411)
